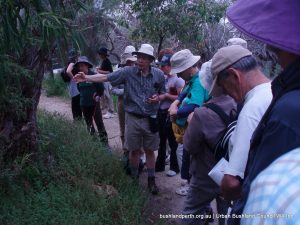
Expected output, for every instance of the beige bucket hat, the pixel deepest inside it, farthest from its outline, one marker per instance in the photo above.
(183, 60)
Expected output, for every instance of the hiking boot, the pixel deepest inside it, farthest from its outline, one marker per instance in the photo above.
(152, 186)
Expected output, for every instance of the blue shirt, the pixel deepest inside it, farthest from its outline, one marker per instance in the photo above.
(138, 88)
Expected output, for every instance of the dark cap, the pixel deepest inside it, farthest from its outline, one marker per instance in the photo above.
(73, 53)
(165, 60)
(102, 51)
(84, 59)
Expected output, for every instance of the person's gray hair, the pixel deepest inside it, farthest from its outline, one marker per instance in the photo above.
(245, 64)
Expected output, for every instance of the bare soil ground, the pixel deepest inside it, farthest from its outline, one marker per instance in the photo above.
(166, 202)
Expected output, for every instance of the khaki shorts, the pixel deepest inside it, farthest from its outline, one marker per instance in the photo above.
(138, 134)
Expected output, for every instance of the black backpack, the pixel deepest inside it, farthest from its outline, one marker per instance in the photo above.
(65, 76)
(221, 148)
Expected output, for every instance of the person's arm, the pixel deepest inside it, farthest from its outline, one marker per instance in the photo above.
(173, 110)
(102, 71)
(167, 96)
(185, 110)
(97, 78)
(174, 107)
(239, 146)
(69, 70)
(181, 96)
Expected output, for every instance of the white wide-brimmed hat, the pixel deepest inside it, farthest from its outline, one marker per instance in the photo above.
(127, 55)
(183, 60)
(145, 49)
(129, 49)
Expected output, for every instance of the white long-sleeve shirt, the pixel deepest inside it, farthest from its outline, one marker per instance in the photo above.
(257, 100)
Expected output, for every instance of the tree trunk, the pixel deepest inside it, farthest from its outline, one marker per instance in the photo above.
(19, 135)
(161, 39)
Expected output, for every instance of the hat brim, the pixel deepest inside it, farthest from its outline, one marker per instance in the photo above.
(190, 63)
(163, 63)
(144, 53)
(132, 59)
(87, 63)
(263, 27)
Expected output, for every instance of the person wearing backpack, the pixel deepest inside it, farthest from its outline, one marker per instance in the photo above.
(67, 75)
(201, 136)
(236, 70)
(279, 129)
(193, 95)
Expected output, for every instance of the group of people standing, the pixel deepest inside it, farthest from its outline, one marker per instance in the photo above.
(86, 97)
(173, 103)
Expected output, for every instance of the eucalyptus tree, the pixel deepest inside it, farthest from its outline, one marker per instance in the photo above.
(30, 31)
(186, 20)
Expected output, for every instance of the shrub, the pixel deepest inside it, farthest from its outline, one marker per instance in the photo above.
(56, 187)
(55, 86)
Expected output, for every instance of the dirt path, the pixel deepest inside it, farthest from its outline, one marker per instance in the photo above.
(167, 202)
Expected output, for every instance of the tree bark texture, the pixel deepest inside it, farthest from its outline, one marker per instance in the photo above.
(19, 135)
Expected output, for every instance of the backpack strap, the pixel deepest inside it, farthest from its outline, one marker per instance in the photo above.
(218, 110)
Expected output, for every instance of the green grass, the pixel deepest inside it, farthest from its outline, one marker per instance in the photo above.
(115, 102)
(55, 187)
(55, 86)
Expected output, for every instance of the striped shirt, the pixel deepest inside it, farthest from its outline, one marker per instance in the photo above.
(274, 196)
(138, 89)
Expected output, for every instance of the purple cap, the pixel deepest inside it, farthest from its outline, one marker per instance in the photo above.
(275, 22)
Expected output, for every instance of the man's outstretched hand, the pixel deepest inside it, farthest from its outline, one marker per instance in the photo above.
(80, 77)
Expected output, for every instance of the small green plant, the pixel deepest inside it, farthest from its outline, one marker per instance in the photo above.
(55, 86)
(57, 184)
